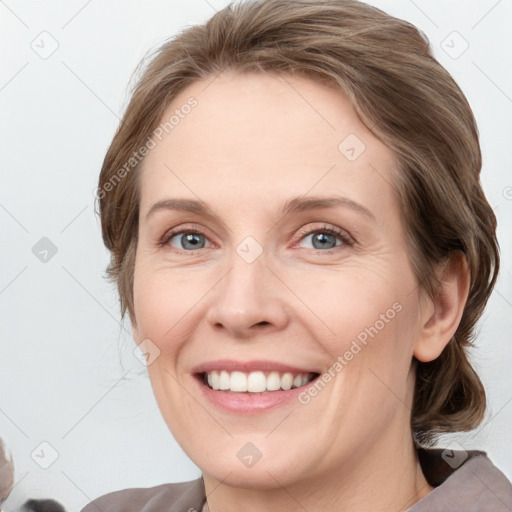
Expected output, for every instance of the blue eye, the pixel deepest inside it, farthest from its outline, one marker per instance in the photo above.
(323, 240)
(326, 237)
(187, 240)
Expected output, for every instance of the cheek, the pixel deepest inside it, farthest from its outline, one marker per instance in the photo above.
(370, 320)
(163, 299)
(354, 302)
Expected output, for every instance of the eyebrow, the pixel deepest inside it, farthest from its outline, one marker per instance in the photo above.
(295, 205)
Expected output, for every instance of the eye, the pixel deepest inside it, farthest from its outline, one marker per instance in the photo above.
(185, 240)
(325, 238)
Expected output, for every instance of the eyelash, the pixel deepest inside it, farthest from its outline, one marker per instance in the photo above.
(341, 234)
(346, 240)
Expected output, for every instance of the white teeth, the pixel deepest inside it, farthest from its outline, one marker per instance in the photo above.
(238, 381)
(273, 381)
(287, 381)
(256, 382)
(224, 380)
(213, 380)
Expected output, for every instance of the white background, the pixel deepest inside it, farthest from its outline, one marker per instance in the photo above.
(62, 381)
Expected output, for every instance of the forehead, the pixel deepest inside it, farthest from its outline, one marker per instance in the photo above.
(266, 136)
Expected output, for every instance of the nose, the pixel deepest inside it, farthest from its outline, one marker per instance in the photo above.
(249, 300)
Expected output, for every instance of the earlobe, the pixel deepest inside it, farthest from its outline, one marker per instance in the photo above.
(441, 321)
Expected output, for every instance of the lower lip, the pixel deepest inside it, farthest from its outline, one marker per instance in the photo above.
(247, 403)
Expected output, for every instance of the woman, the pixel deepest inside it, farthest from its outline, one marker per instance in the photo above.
(300, 238)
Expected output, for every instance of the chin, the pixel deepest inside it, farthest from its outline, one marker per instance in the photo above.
(262, 476)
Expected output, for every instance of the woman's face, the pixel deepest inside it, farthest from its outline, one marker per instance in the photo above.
(271, 250)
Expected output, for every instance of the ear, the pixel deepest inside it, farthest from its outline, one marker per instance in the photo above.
(441, 318)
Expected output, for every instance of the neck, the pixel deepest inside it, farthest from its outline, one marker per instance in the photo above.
(381, 477)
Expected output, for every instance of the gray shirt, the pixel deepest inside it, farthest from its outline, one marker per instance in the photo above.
(462, 481)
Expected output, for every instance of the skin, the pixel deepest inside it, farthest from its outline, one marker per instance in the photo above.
(253, 142)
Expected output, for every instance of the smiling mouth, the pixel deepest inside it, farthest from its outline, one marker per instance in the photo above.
(255, 382)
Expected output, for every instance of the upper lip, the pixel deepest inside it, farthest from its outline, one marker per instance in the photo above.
(248, 366)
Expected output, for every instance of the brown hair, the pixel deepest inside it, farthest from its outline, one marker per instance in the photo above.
(409, 101)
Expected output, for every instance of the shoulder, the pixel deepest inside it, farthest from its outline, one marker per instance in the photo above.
(463, 480)
(178, 497)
